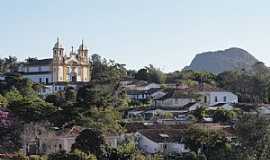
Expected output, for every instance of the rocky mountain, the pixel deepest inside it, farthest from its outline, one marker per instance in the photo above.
(224, 60)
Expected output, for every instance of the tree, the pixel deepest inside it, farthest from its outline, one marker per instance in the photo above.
(94, 96)
(3, 101)
(9, 133)
(31, 110)
(155, 74)
(254, 137)
(221, 115)
(107, 121)
(89, 141)
(200, 113)
(151, 74)
(107, 70)
(70, 94)
(212, 143)
(55, 99)
(8, 64)
(13, 95)
(125, 151)
(63, 156)
(251, 88)
(142, 74)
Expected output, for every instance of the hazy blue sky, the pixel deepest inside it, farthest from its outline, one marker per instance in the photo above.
(166, 33)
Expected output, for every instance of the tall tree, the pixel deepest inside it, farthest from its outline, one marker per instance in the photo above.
(254, 137)
(90, 141)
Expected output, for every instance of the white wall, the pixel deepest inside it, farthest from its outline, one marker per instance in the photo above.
(147, 145)
(36, 78)
(150, 147)
(211, 97)
(174, 102)
(152, 85)
(158, 95)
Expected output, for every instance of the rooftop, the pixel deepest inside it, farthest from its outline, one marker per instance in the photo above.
(163, 135)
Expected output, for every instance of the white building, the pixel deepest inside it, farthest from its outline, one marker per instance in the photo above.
(60, 68)
(212, 98)
(174, 99)
(152, 141)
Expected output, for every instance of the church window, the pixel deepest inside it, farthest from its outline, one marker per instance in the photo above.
(68, 70)
(79, 70)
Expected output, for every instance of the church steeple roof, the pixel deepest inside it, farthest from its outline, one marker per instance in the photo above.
(82, 46)
(58, 44)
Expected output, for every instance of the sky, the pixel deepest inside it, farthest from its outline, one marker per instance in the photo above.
(165, 33)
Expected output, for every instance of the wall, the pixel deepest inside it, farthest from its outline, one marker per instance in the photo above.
(230, 97)
(147, 145)
(174, 102)
(36, 78)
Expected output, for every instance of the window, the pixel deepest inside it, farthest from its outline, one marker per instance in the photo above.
(205, 99)
(40, 80)
(60, 146)
(55, 88)
(165, 146)
(68, 70)
(47, 80)
(79, 71)
(216, 99)
(224, 98)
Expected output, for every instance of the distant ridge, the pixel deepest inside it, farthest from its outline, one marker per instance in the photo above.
(223, 60)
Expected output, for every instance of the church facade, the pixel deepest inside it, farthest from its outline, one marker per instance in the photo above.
(63, 68)
(71, 68)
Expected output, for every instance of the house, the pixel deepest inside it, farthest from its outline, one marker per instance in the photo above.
(156, 93)
(174, 99)
(139, 95)
(153, 112)
(139, 85)
(42, 141)
(264, 110)
(114, 140)
(212, 98)
(164, 141)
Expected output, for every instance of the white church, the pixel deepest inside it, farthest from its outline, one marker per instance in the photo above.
(63, 69)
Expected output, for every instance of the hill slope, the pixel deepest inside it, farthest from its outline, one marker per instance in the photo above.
(224, 60)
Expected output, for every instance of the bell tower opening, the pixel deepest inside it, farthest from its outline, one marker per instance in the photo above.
(74, 78)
